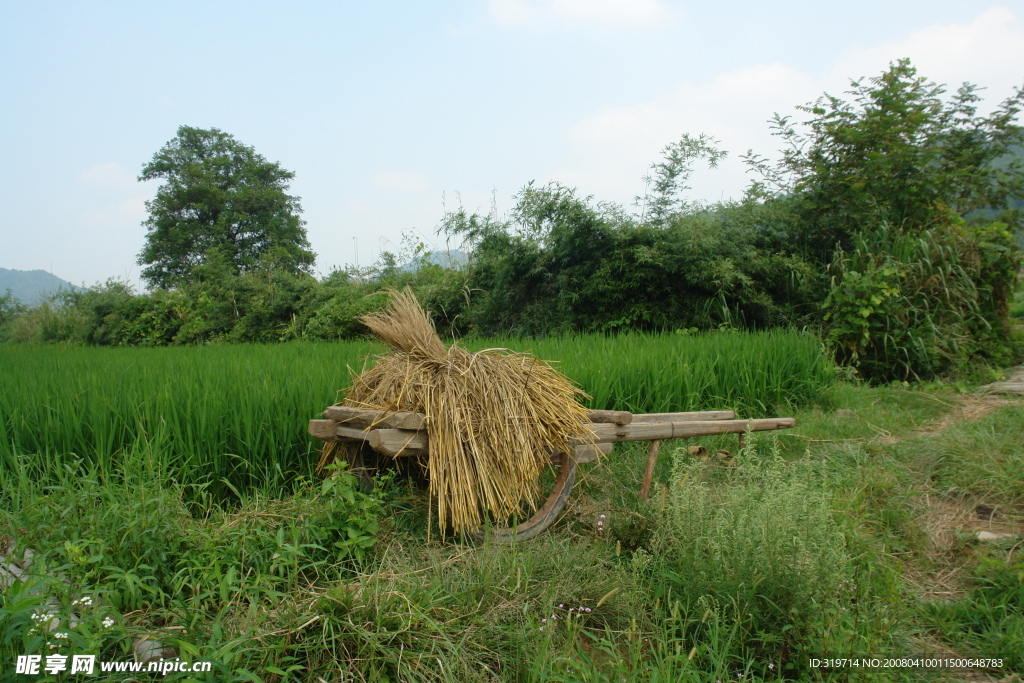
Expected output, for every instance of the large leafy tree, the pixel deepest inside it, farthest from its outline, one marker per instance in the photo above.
(909, 193)
(221, 201)
(900, 153)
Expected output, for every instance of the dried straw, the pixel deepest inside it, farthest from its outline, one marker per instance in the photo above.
(493, 417)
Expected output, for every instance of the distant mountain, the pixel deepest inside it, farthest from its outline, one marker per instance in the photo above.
(31, 287)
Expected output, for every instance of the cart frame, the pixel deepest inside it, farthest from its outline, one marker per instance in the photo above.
(403, 434)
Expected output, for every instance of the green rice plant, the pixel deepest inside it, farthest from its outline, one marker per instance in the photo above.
(754, 373)
(231, 419)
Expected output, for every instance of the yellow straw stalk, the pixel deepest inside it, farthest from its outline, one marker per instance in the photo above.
(493, 417)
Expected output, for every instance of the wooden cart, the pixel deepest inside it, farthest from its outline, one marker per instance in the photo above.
(403, 434)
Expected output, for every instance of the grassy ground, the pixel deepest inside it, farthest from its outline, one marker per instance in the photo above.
(854, 533)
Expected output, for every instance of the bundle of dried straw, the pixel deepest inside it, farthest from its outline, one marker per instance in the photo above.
(493, 417)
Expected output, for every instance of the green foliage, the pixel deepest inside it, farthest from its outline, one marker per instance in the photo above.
(44, 616)
(898, 154)
(220, 200)
(989, 620)
(755, 545)
(567, 265)
(919, 304)
(10, 308)
(672, 173)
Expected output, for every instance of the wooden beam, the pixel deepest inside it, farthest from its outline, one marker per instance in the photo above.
(329, 430)
(652, 460)
(611, 433)
(323, 429)
(619, 417)
(398, 442)
(375, 418)
(591, 452)
(701, 415)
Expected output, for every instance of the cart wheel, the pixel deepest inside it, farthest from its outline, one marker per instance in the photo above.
(548, 512)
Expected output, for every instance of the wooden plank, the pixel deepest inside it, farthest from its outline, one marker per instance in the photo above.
(649, 431)
(700, 415)
(619, 417)
(591, 452)
(375, 418)
(351, 433)
(398, 442)
(329, 430)
(323, 429)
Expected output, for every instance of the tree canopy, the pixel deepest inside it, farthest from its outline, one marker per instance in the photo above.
(221, 202)
(899, 153)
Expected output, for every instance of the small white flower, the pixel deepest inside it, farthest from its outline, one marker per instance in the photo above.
(108, 622)
(60, 635)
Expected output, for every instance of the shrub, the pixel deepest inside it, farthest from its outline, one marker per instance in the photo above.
(755, 544)
(913, 305)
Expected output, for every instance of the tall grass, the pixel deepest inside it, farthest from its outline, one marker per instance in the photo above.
(230, 415)
(754, 373)
(234, 417)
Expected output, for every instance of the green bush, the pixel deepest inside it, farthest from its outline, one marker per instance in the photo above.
(757, 546)
(915, 305)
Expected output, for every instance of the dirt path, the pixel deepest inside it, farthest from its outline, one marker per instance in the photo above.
(1014, 384)
(970, 407)
(952, 522)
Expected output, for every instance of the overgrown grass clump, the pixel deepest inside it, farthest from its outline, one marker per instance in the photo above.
(207, 579)
(755, 546)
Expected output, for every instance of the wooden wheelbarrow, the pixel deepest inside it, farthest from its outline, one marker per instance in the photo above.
(403, 434)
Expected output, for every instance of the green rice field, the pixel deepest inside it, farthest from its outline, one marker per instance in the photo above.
(235, 416)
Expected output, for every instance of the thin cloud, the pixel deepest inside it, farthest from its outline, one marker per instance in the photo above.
(111, 175)
(405, 182)
(614, 146)
(122, 213)
(593, 12)
(988, 50)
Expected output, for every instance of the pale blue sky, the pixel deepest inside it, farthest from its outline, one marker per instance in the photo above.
(383, 108)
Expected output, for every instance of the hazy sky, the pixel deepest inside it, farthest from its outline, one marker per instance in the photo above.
(384, 108)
